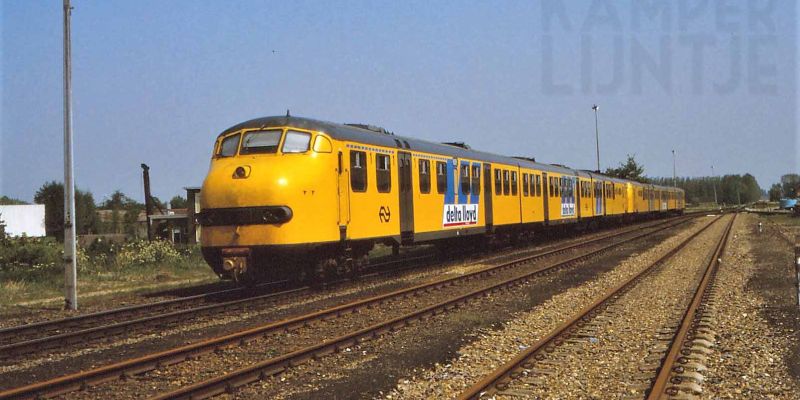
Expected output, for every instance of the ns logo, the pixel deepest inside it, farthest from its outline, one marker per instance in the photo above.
(384, 214)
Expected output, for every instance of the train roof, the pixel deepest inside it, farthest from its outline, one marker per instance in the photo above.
(368, 135)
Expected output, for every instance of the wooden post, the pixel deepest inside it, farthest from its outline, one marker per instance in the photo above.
(148, 202)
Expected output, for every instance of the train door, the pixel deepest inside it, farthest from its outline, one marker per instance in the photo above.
(603, 196)
(406, 194)
(546, 197)
(598, 197)
(344, 196)
(487, 196)
(577, 187)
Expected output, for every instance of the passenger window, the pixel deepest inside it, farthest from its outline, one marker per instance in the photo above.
(296, 142)
(441, 177)
(229, 146)
(525, 183)
(514, 183)
(358, 171)
(464, 179)
(384, 174)
(538, 185)
(506, 184)
(424, 176)
(261, 142)
(550, 191)
(498, 183)
(476, 179)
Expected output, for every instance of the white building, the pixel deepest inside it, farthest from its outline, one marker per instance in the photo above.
(27, 220)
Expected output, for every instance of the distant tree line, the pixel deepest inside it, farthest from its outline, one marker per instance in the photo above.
(730, 189)
(124, 211)
(8, 201)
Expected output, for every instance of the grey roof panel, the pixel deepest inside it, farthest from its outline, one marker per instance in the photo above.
(356, 134)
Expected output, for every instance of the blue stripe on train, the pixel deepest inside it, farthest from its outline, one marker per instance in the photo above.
(450, 194)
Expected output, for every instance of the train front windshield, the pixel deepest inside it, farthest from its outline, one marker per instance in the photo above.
(264, 142)
(261, 142)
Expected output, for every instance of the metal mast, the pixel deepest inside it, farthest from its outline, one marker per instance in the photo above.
(595, 107)
(714, 185)
(674, 177)
(70, 264)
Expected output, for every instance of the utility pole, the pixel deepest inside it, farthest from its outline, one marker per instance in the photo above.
(70, 263)
(674, 177)
(595, 107)
(714, 185)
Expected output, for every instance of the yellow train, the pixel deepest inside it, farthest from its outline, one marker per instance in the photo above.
(297, 197)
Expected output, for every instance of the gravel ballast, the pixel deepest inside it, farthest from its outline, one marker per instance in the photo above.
(758, 323)
(493, 348)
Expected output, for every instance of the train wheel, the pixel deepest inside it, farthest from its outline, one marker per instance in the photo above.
(245, 278)
(320, 273)
(358, 266)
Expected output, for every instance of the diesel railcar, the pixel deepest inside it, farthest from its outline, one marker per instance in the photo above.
(297, 197)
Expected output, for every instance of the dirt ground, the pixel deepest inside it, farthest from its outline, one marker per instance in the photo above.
(775, 282)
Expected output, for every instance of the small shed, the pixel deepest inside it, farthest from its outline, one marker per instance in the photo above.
(23, 220)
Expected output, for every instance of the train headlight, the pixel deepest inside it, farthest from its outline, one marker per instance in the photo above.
(241, 172)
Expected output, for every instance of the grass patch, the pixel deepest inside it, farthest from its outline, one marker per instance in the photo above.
(32, 270)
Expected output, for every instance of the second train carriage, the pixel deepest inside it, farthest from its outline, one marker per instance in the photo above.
(283, 193)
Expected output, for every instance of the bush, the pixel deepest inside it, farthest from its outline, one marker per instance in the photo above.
(30, 254)
(141, 253)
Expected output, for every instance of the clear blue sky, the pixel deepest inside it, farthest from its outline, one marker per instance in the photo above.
(156, 81)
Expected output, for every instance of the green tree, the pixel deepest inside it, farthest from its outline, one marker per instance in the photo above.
(124, 212)
(51, 194)
(775, 192)
(630, 169)
(117, 201)
(751, 191)
(177, 202)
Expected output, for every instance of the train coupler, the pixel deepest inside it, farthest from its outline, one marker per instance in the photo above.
(235, 262)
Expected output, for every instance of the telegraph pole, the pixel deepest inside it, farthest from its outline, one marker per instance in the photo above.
(70, 264)
(595, 107)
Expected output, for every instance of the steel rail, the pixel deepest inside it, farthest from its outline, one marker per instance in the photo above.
(56, 324)
(673, 359)
(16, 349)
(152, 361)
(500, 378)
(49, 326)
(276, 365)
(93, 333)
(83, 323)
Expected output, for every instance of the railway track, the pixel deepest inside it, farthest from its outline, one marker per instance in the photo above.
(161, 360)
(58, 334)
(673, 374)
(681, 371)
(42, 336)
